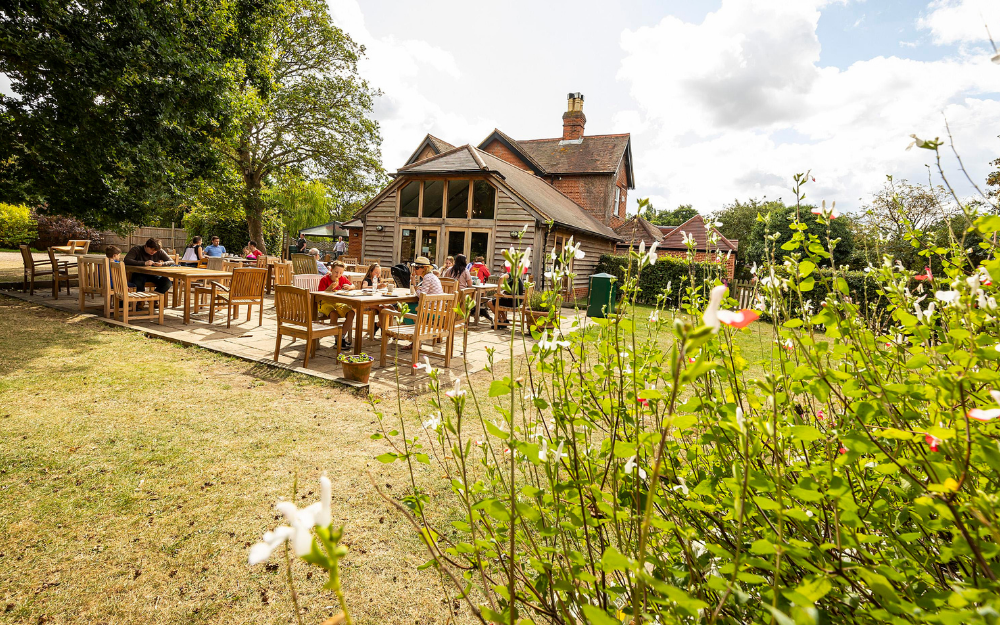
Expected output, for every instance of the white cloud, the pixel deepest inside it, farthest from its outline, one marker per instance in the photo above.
(400, 68)
(738, 103)
(961, 21)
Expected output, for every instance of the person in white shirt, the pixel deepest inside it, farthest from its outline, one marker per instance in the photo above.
(340, 248)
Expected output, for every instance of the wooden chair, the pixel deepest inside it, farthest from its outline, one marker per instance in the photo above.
(370, 261)
(461, 325)
(203, 288)
(94, 280)
(519, 305)
(33, 268)
(348, 260)
(304, 263)
(246, 288)
(203, 263)
(433, 322)
(81, 247)
(294, 306)
(493, 279)
(125, 298)
(449, 285)
(386, 277)
(215, 263)
(60, 273)
(282, 274)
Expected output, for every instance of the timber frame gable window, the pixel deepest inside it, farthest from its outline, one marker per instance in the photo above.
(452, 199)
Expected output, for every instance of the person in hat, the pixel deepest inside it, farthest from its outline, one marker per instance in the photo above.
(423, 279)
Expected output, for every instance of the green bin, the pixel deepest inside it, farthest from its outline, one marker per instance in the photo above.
(603, 295)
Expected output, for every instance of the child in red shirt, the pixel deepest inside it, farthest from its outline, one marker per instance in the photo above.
(337, 281)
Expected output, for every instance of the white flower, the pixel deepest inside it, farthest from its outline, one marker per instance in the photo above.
(698, 548)
(524, 228)
(559, 452)
(651, 255)
(263, 550)
(642, 248)
(425, 365)
(740, 421)
(711, 316)
(457, 391)
(302, 521)
(682, 486)
(325, 516)
(433, 422)
(654, 317)
(543, 453)
(630, 467)
(552, 254)
(753, 270)
(579, 254)
(948, 297)
(545, 344)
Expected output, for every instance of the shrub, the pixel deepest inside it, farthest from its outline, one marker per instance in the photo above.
(17, 225)
(675, 273)
(58, 229)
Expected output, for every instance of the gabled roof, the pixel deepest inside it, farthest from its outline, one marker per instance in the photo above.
(673, 239)
(542, 198)
(637, 230)
(330, 229)
(437, 146)
(594, 154)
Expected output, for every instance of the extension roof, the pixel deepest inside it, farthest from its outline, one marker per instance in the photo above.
(637, 230)
(593, 154)
(547, 202)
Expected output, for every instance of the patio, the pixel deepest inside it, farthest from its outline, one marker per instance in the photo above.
(248, 341)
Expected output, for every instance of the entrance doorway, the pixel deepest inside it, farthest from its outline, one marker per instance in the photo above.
(469, 241)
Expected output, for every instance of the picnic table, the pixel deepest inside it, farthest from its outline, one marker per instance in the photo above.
(481, 289)
(182, 278)
(359, 302)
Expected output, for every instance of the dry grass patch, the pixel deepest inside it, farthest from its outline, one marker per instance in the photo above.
(135, 474)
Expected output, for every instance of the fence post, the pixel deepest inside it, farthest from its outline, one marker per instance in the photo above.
(173, 243)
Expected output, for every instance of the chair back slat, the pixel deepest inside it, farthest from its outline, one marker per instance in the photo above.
(371, 261)
(292, 305)
(282, 273)
(435, 314)
(493, 279)
(29, 260)
(214, 263)
(304, 263)
(449, 285)
(247, 284)
(386, 277)
(231, 266)
(119, 278)
(93, 273)
(348, 260)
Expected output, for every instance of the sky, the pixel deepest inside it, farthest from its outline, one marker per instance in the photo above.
(724, 99)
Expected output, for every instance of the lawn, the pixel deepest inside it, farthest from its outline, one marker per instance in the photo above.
(135, 474)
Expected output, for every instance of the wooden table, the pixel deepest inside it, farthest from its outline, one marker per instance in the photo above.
(360, 302)
(64, 249)
(480, 290)
(182, 278)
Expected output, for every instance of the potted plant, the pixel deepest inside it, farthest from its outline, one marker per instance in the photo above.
(543, 309)
(357, 367)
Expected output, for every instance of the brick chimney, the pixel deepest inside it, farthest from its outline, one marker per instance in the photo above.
(573, 119)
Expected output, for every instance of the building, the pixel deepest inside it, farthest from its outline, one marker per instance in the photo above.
(670, 240)
(476, 200)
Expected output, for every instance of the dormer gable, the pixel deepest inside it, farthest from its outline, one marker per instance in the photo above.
(430, 146)
(507, 149)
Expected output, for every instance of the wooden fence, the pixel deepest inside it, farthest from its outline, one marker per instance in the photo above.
(173, 238)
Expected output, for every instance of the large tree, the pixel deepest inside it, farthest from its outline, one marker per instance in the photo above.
(778, 220)
(309, 113)
(669, 217)
(900, 208)
(115, 101)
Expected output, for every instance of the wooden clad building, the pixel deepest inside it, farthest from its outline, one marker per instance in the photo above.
(476, 200)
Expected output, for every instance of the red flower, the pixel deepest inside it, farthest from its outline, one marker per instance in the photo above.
(643, 401)
(842, 450)
(738, 319)
(820, 415)
(932, 442)
(927, 275)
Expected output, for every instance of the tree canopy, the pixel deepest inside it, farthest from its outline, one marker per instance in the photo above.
(778, 220)
(669, 217)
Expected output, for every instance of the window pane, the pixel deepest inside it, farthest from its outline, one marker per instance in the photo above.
(408, 245)
(458, 199)
(429, 244)
(409, 200)
(483, 199)
(433, 198)
(480, 246)
(456, 242)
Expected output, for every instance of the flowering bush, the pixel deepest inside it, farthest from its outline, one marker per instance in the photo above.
(17, 226)
(354, 359)
(648, 472)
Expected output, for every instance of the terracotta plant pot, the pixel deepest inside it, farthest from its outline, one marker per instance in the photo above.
(538, 318)
(357, 371)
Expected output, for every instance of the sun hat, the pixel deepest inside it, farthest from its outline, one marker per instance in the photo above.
(422, 261)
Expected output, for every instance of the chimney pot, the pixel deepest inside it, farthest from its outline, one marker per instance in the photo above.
(573, 119)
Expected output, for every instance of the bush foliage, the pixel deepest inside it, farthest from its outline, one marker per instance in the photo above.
(58, 229)
(17, 225)
(675, 273)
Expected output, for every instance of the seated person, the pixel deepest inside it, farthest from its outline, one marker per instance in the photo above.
(150, 254)
(423, 279)
(480, 270)
(114, 256)
(215, 250)
(193, 252)
(320, 266)
(337, 281)
(460, 271)
(252, 251)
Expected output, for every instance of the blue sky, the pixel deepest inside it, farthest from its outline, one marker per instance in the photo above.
(723, 100)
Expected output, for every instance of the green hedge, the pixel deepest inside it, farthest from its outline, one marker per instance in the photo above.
(17, 225)
(655, 278)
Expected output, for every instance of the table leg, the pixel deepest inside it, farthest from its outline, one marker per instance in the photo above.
(358, 325)
(187, 298)
(479, 299)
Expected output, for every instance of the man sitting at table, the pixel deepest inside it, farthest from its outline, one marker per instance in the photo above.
(337, 281)
(320, 265)
(215, 250)
(150, 254)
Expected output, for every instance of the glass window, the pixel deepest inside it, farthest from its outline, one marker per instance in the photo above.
(458, 199)
(483, 200)
(409, 199)
(456, 242)
(480, 246)
(433, 198)
(408, 245)
(429, 244)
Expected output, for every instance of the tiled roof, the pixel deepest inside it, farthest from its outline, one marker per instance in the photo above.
(541, 196)
(673, 239)
(437, 145)
(638, 229)
(595, 154)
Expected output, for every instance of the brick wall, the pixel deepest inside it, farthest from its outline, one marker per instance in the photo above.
(589, 191)
(622, 183)
(504, 153)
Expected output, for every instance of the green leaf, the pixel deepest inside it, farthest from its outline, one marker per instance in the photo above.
(387, 457)
(498, 388)
(495, 431)
(806, 433)
(762, 547)
(613, 560)
(597, 616)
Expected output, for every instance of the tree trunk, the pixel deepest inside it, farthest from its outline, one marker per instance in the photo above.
(254, 208)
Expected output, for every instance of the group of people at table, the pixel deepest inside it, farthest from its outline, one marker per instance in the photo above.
(423, 276)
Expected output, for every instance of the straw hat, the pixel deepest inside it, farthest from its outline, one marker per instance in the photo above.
(422, 261)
